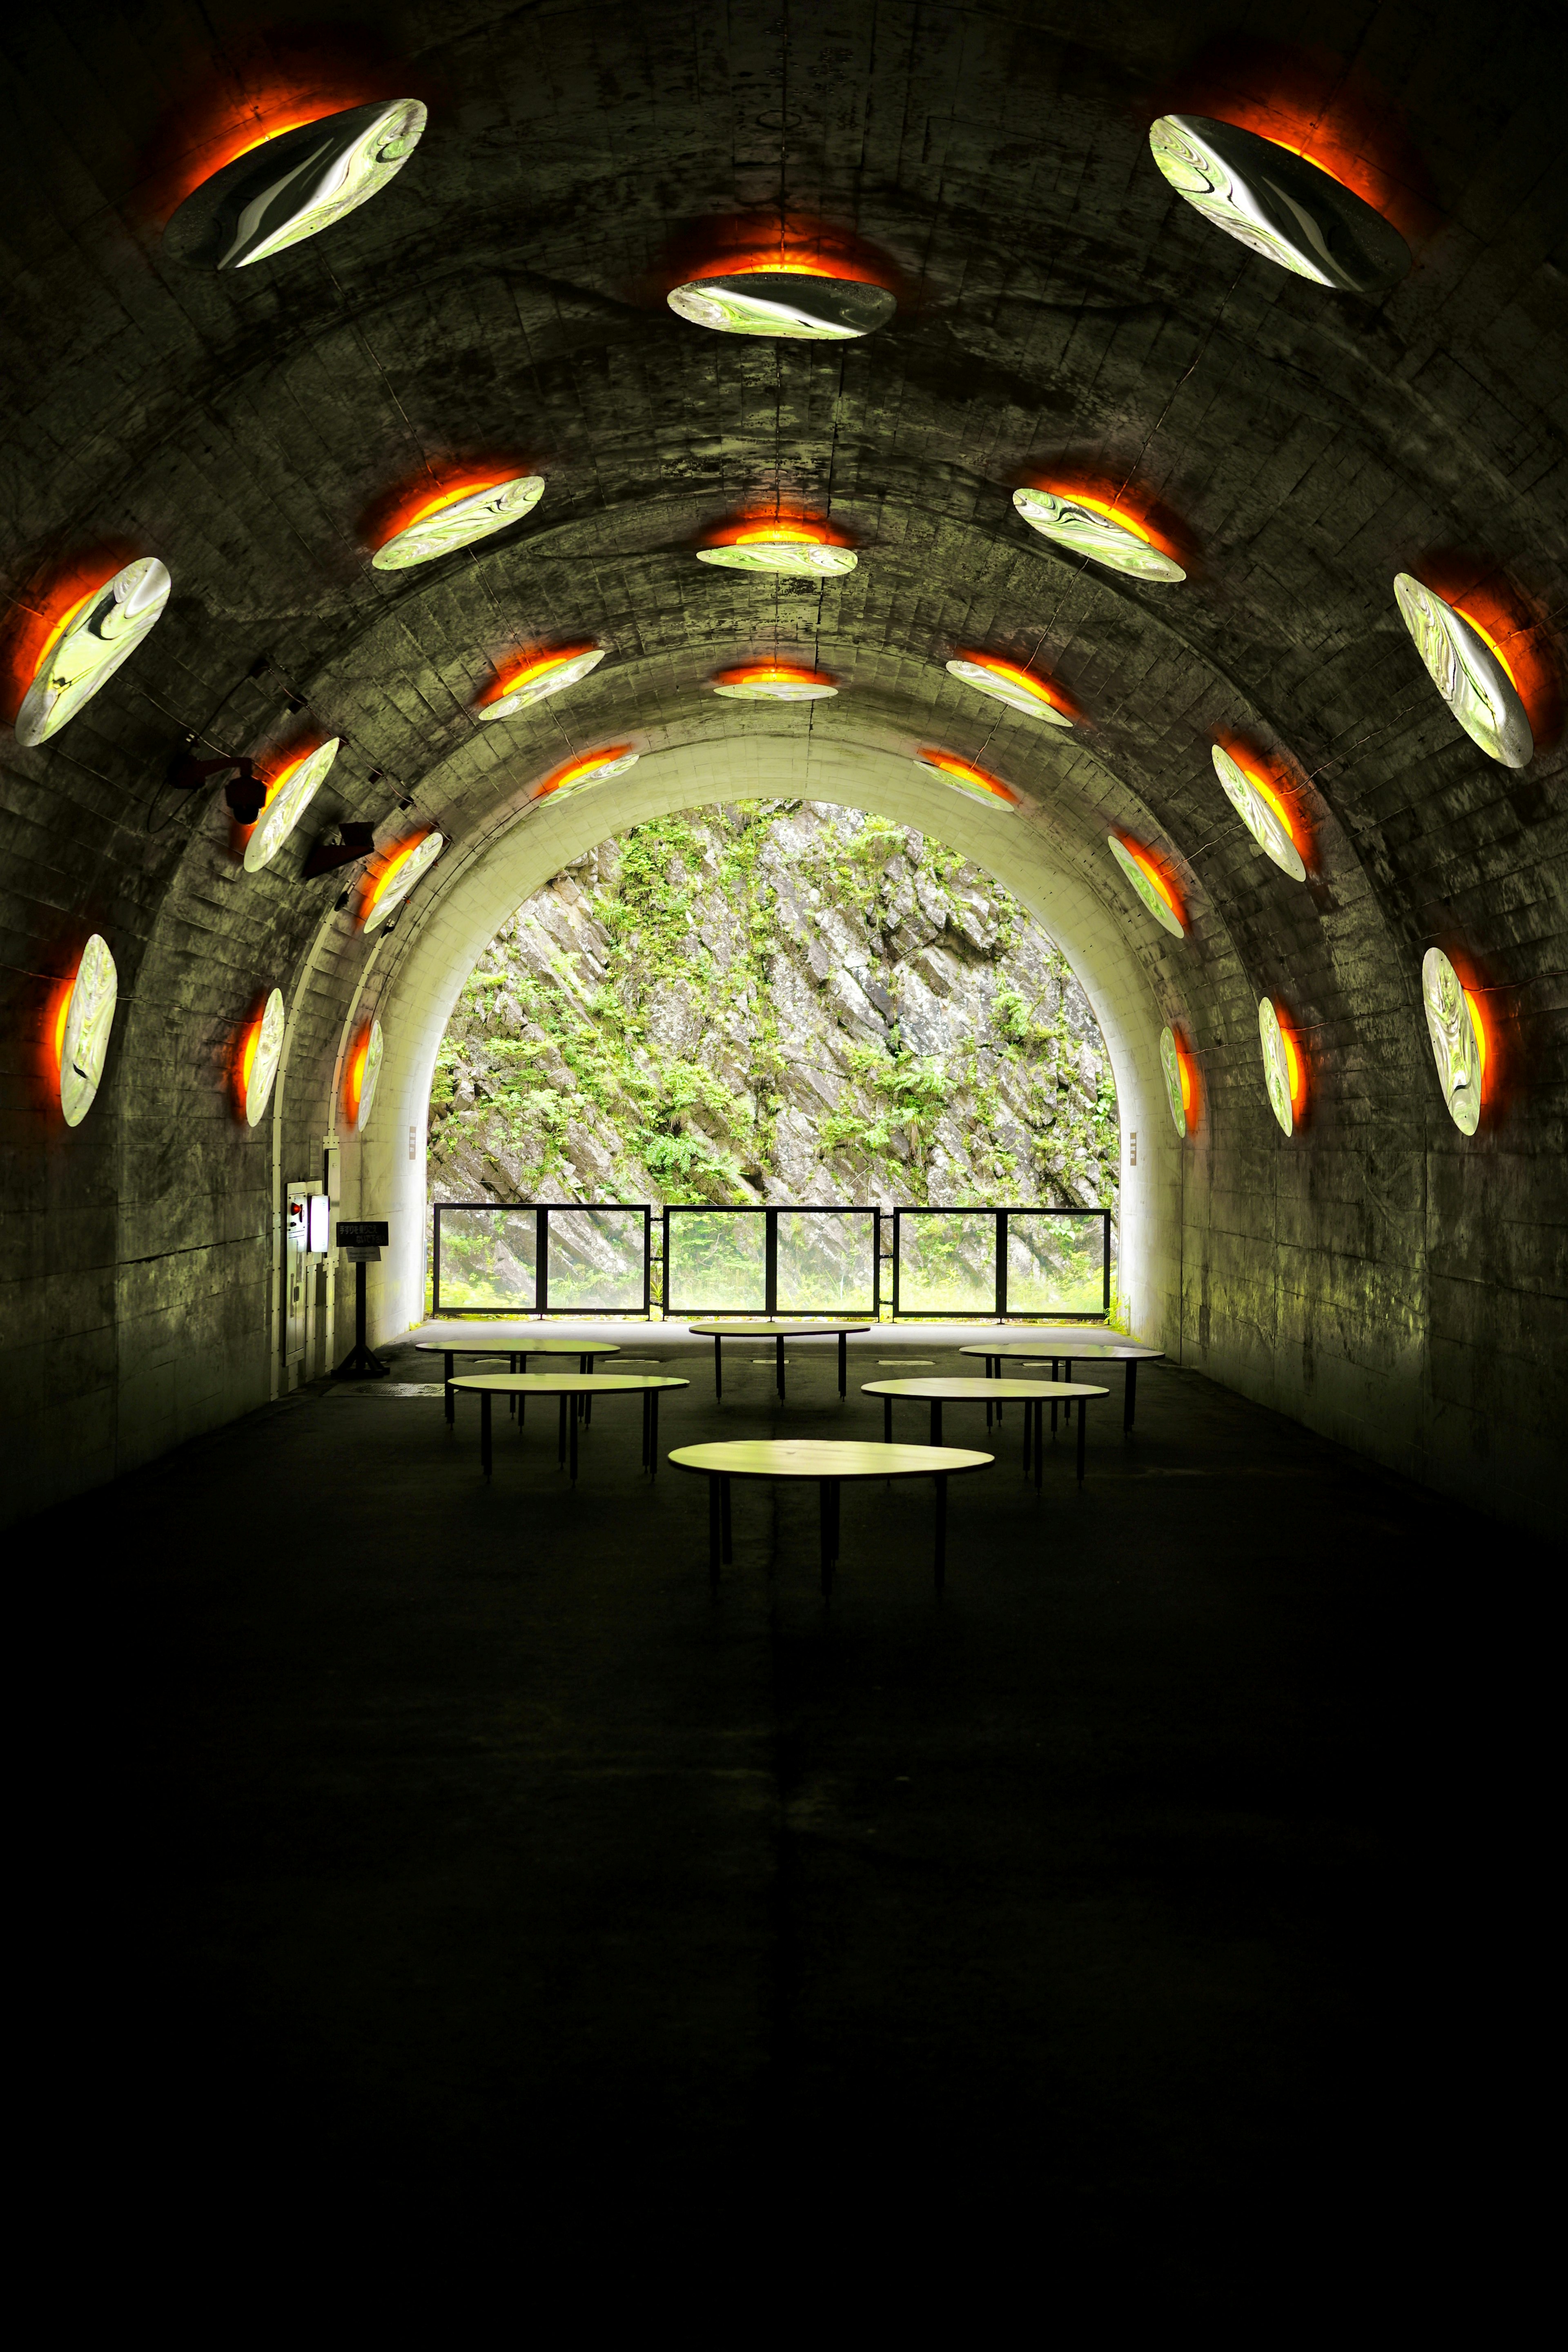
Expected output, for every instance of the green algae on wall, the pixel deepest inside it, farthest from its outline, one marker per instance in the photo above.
(773, 1001)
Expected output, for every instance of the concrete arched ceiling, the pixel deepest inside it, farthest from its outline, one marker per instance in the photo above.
(1059, 306)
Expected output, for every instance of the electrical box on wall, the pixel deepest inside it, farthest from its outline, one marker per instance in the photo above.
(331, 1170)
(304, 1259)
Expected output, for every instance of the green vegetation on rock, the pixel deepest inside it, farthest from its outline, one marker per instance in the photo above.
(773, 1001)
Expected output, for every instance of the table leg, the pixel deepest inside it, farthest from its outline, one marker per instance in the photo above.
(571, 1425)
(485, 1432)
(726, 1546)
(779, 1373)
(1028, 1427)
(1066, 1375)
(936, 1420)
(523, 1402)
(843, 1365)
(561, 1437)
(717, 1366)
(825, 1501)
(1082, 1425)
(713, 1530)
(451, 1392)
(941, 1530)
(887, 1420)
(585, 1403)
(1039, 1442)
(646, 1399)
(1128, 1399)
(653, 1434)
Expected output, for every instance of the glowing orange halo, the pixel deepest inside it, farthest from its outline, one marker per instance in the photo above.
(583, 764)
(1263, 783)
(1147, 865)
(964, 773)
(754, 673)
(378, 888)
(353, 1077)
(1029, 681)
(531, 666)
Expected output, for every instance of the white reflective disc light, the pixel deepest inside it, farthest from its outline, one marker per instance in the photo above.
(1148, 891)
(1013, 686)
(786, 303)
(287, 804)
(1083, 530)
(1278, 205)
(775, 685)
(1465, 672)
(303, 181)
(1171, 1069)
(1262, 820)
(1456, 1040)
(538, 684)
(460, 523)
(389, 894)
(103, 632)
(1276, 1066)
(807, 558)
(370, 1072)
(264, 1060)
(577, 776)
(89, 1016)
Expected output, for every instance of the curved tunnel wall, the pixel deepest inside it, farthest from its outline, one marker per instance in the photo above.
(1388, 1280)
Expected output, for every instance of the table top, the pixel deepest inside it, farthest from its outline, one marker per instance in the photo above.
(826, 1457)
(527, 1384)
(762, 1329)
(526, 1346)
(1073, 1352)
(963, 1391)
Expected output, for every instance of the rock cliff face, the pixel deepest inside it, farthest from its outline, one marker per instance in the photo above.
(775, 1001)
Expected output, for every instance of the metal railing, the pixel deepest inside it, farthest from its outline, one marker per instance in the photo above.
(560, 1257)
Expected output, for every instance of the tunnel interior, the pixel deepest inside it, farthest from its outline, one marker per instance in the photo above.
(1053, 311)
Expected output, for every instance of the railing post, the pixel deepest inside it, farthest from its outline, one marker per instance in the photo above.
(770, 1261)
(1001, 1263)
(436, 1257)
(541, 1260)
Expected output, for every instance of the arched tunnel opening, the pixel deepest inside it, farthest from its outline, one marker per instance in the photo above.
(887, 614)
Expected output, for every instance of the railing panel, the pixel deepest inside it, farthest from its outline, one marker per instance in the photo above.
(597, 1261)
(827, 1262)
(715, 1262)
(485, 1258)
(945, 1262)
(1057, 1263)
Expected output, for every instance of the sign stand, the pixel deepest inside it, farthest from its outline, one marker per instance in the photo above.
(363, 1241)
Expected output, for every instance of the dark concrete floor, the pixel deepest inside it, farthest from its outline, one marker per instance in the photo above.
(445, 1846)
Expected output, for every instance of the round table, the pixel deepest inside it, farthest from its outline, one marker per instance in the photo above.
(569, 1387)
(1033, 1395)
(779, 1332)
(517, 1357)
(829, 1461)
(1082, 1352)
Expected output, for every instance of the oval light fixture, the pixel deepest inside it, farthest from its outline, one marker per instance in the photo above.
(1458, 1038)
(1090, 526)
(1282, 1073)
(85, 1017)
(1262, 811)
(588, 768)
(288, 796)
(294, 183)
(1020, 689)
(405, 867)
(537, 678)
(1277, 205)
(453, 518)
(965, 777)
(259, 1054)
(365, 1068)
(803, 549)
(99, 631)
(1177, 1072)
(1150, 883)
(802, 305)
(774, 682)
(1468, 671)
